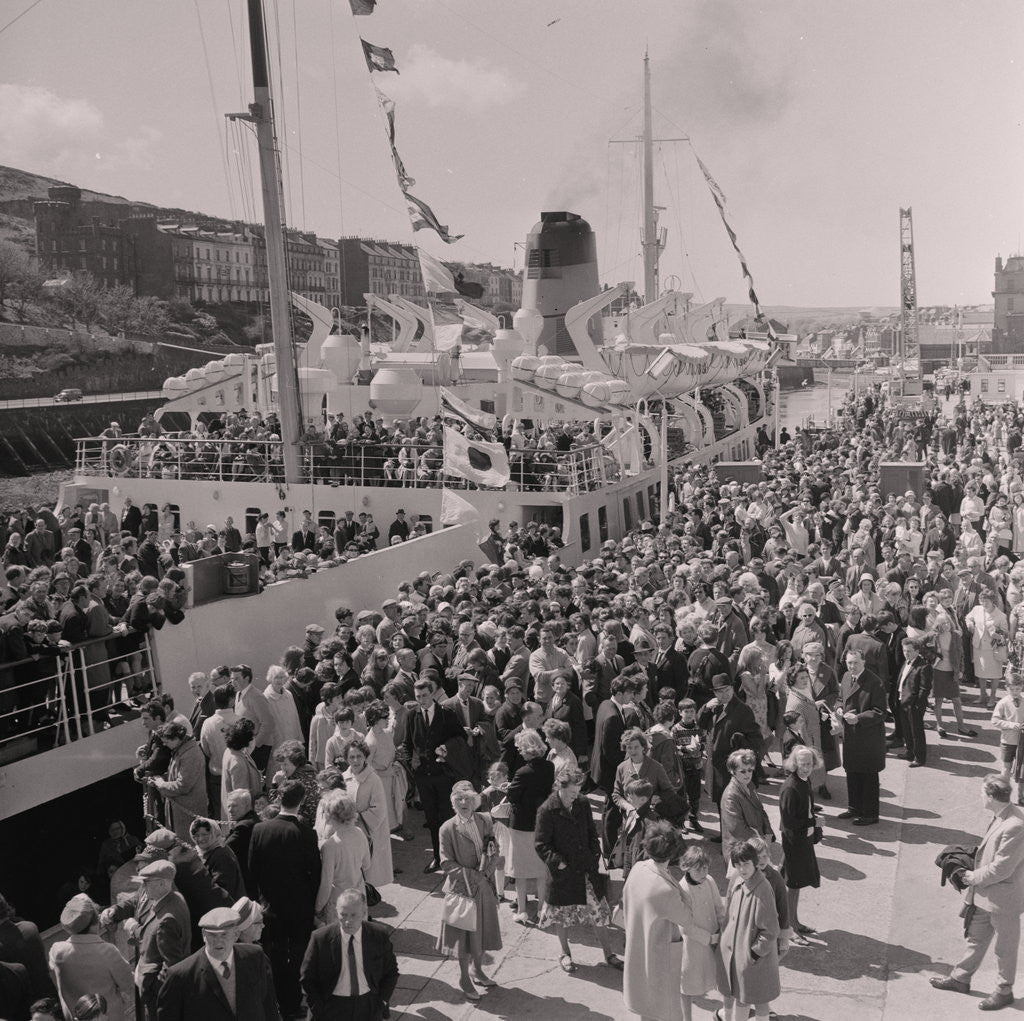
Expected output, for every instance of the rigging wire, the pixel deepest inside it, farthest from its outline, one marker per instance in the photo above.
(217, 120)
(16, 18)
(298, 111)
(281, 117)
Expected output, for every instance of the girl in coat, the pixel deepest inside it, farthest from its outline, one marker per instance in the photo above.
(750, 953)
(494, 801)
(469, 856)
(364, 787)
(701, 956)
(653, 907)
(799, 821)
(566, 840)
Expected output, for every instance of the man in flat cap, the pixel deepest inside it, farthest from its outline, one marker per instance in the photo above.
(157, 922)
(223, 981)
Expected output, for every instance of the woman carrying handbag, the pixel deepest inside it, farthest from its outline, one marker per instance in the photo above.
(469, 917)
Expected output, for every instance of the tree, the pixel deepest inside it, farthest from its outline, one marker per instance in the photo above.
(28, 289)
(15, 265)
(81, 298)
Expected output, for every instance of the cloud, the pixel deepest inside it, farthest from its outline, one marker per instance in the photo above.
(61, 136)
(440, 81)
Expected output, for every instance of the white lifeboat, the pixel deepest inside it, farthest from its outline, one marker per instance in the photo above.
(395, 390)
(175, 386)
(524, 368)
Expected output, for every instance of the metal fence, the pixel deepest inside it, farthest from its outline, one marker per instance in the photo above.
(70, 694)
(573, 471)
(87, 398)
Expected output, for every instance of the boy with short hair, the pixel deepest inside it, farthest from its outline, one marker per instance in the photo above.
(690, 746)
(1008, 718)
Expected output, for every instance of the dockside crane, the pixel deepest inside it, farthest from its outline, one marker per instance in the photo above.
(909, 341)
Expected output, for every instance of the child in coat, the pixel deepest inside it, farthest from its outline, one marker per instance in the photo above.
(494, 801)
(701, 958)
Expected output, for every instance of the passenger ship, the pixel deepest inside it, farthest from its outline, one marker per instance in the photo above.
(662, 399)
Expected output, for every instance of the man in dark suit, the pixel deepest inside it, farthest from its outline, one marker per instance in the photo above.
(862, 701)
(470, 711)
(284, 868)
(729, 724)
(148, 555)
(913, 686)
(355, 956)
(429, 729)
(243, 821)
(533, 719)
(669, 665)
(609, 726)
(434, 661)
(204, 707)
(131, 518)
(304, 538)
(223, 981)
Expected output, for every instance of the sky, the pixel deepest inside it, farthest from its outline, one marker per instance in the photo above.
(818, 121)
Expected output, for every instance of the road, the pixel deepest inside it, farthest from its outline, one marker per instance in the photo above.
(49, 402)
(884, 924)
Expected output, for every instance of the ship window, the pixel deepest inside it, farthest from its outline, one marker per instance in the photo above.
(627, 511)
(585, 532)
(984, 386)
(252, 519)
(1001, 386)
(652, 499)
(602, 523)
(639, 506)
(176, 514)
(327, 519)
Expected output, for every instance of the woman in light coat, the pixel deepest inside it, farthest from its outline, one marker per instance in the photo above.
(743, 815)
(469, 858)
(654, 909)
(344, 854)
(365, 788)
(750, 951)
(184, 789)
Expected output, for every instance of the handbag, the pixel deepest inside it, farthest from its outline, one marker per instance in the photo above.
(372, 895)
(502, 811)
(458, 910)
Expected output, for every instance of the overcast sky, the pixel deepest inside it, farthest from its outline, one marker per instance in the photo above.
(818, 121)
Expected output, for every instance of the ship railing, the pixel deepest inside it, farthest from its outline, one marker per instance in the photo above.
(422, 467)
(581, 469)
(181, 457)
(72, 693)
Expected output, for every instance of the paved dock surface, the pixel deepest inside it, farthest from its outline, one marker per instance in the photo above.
(884, 924)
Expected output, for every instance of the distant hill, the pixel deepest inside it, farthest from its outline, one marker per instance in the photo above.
(20, 189)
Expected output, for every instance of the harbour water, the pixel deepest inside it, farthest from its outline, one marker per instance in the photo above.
(810, 405)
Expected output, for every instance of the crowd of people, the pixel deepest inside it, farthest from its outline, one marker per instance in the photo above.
(554, 725)
(243, 446)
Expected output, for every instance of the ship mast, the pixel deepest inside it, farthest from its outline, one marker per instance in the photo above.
(261, 114)
(650, 244)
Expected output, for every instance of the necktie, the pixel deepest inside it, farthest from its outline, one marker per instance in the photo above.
(353, 977)
(225, 969)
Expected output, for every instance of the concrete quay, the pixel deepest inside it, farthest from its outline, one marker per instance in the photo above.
(884, 924)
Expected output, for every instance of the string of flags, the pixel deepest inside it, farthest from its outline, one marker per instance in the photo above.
(381, 59)
(719, 196)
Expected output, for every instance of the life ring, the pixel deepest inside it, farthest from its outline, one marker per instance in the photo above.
(119, 459)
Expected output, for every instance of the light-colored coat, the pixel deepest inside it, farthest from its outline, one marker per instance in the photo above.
(654, 910)
(86, 963)
(752, 927)
(367, 791)
(743, 816)
(998, 885)
(701, 961)
(185, 787)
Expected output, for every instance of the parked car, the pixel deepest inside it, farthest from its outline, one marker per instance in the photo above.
(69, 394)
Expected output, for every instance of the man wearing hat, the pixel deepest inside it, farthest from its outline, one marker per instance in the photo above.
(86, 963)
(350, 970)
(223, 981)
(157, 923)
(729, 724)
